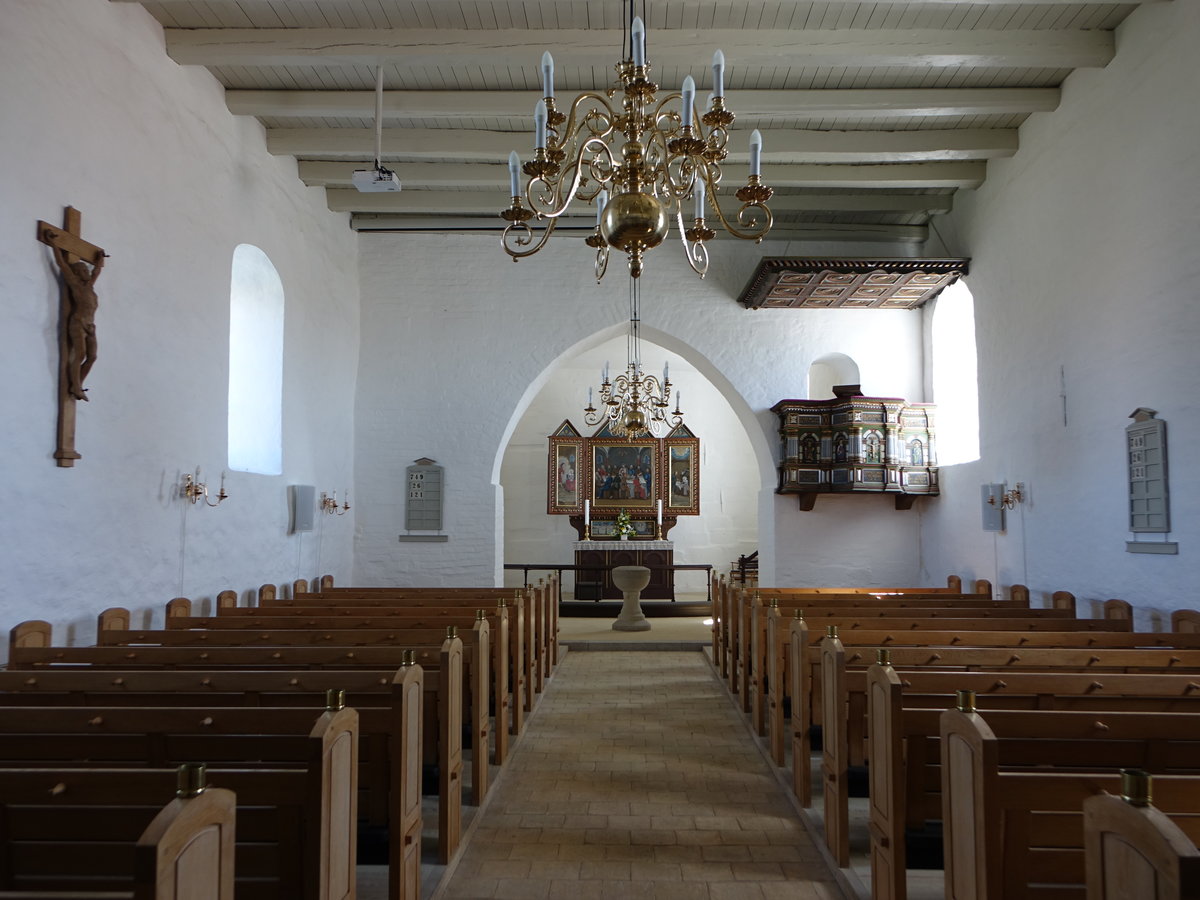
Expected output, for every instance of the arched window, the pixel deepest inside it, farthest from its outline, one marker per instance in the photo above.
(828, 370)
(955, 375)
(255, 364)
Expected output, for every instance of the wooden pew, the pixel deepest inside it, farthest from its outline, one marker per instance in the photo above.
(544, 619)
(1186, 621)
(537, 612)
(904, 710)
(844, 721)
(309, 764)
(756, 662)
(749, 622)
(1014, 783)
(101, 833)
(734, 607)
(506, 624)
(295, 669)
(391, 728)
(1133, 849)
(801, 641)
(477, 644)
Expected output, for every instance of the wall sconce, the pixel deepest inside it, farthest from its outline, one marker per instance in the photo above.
(329, 504)
(1009, 499)
(194, 489)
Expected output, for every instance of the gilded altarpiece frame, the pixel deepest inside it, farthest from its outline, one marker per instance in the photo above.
(681, 469)
(615, 473)
(566, 476)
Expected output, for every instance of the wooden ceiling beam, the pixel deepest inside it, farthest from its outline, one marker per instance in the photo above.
(490, 202)
(457, 105)
(785, 4)
(522, 48)
(813, 231)
(779, 145)
(494, 177)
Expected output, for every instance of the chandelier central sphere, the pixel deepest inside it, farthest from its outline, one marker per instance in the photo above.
(627, 144)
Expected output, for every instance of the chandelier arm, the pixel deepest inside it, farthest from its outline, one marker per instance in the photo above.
(553, 197)
(518, 234)
(758, 223)
(605, 114)
(601, 268)
(695, 251)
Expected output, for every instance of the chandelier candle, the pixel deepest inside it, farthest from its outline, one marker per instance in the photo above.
(514, 173)
(548, 75)
(649, 152)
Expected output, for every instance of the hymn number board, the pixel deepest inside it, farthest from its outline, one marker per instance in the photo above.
(424, 509)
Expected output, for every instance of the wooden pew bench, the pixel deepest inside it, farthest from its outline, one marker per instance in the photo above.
(732, 608)
(758, 644)
(477, 676)
(391, 728)
(1133, 849)
(539, 634)
(844, 709)
(785, 683)
(105, 833)
(304, 772)
(507, 646)
(1014, 784)
(540, 601)
(750, 609)
(904, 711)
(365, 668)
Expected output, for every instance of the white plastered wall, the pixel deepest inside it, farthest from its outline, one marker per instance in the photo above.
(96, 116)
(458, 341)
(1085, 255)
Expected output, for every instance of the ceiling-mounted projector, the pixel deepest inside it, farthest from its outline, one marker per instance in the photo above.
(377, 179)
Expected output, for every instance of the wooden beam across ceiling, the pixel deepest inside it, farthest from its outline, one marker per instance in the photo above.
(779, 145)
(938, 175)
(491, 202)
(815, 231)
(516, 48)
(456, 105)
(784, 4)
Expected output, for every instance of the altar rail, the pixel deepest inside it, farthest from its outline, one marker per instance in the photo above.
(526, 568)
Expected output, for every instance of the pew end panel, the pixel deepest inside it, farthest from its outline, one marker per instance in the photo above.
(1118, 610)
(798, 639)
(1186, 621)
(31, 633)
(1136, 851)
(834, 767)
(969, 758)
(335, 741)
(886, 775)
(404, 852)
(191, 835)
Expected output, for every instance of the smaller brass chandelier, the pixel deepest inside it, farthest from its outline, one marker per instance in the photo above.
(639, 160)
(635, 403)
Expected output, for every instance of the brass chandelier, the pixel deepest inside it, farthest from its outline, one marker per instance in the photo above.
(639, 160)
(635, 403)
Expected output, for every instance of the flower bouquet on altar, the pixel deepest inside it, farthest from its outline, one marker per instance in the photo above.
(623, 527)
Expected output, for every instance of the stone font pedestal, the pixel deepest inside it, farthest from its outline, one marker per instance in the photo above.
(631, 580)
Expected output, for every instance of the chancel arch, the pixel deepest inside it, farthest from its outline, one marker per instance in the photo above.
(735, 461)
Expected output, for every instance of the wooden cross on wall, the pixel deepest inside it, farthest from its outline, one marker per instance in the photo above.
(79, 263)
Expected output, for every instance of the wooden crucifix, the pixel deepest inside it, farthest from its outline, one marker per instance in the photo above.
(79, 263)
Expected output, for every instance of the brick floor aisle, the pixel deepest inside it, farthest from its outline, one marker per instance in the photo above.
(637, 779)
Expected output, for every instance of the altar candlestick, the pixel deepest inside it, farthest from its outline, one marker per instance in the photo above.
(660, 513)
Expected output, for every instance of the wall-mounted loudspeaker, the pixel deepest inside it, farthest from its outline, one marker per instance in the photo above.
(302, 503)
